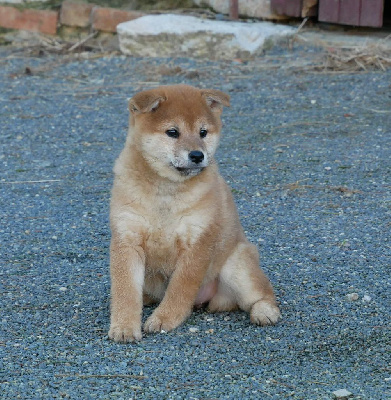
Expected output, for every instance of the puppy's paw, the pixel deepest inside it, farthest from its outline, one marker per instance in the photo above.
(264, 313)
(125, 334)
(158, 322)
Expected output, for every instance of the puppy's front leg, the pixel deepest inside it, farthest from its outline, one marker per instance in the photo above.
(181, 292)
(127, 266)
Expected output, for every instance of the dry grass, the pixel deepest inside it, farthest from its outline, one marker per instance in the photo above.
(373, 56)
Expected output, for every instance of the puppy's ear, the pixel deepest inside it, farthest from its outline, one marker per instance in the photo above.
(144, 102)
(215, 99)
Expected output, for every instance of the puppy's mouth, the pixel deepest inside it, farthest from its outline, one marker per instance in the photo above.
(189, 171)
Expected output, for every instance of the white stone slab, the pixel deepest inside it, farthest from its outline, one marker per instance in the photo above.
(170, 35)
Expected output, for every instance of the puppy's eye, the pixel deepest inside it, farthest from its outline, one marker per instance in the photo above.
(203, 133)
(173, 133)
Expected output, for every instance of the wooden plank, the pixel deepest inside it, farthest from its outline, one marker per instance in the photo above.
(291, 8)
(372, 13)
(329, 10)
(352, 12)
(349, 12)
(233, 9)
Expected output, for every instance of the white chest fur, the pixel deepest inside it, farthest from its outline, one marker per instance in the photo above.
(162, 228)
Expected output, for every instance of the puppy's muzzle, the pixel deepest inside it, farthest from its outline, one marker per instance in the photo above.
(194, 164)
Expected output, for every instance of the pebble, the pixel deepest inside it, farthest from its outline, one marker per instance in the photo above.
(366, 299)
(342, 394)
(352, 296)
(193, 329)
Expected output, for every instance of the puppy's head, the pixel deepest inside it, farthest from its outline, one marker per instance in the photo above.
(176, 128)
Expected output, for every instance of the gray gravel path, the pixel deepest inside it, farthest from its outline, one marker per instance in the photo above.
(308, 157)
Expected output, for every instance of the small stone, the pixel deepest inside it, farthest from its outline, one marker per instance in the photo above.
(352, 296)
(193, 330)
(228, 87)
(342, 394)
(63, 289)
(210, 331)
(366, 299)
(313, 101)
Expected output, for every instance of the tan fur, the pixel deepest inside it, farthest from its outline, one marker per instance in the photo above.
(176, 235)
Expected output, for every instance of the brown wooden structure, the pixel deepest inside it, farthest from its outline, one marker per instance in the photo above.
(346, 12)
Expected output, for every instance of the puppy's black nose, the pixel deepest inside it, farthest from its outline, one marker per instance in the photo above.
(196, 156)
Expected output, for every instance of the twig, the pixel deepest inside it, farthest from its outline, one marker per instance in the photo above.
(377, 111)
(301, 25)
(380, 63)
(140, 377)
(41, 181)
(81, 42)
(283, 384)
(267, 394)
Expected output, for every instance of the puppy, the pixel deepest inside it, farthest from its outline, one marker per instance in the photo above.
(176, 235)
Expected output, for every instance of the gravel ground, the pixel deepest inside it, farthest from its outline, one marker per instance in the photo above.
(308, 158)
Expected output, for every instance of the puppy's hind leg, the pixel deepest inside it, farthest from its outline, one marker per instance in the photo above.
(223, 300)
(244, 283)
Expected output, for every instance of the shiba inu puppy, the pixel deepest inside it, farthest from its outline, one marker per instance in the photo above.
(176, 235)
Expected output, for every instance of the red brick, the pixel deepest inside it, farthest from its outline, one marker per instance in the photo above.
(29, 20)
(76, 14)
(107, 19)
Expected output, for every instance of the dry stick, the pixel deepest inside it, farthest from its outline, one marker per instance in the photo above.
(100, 376)
(360, 64)
(41, 181)
(51, 44)
(81, 42)
(377, 111)
(301, 25)
(380, 63)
